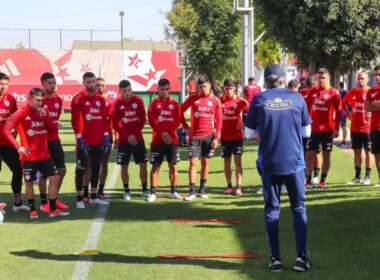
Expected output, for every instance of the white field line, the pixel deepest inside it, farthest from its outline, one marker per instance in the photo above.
(84, 263)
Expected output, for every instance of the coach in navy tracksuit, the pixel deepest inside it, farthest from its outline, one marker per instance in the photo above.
(281, 119)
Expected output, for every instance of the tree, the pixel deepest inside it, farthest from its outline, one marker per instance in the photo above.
(342, 35)
(209, 33)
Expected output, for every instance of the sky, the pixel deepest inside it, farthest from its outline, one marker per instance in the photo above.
(144, 19)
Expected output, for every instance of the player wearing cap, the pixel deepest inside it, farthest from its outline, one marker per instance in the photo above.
(8, 106)
(164, 117)
(204, 133)
(128, 119)
(88, 119)
(360, 125)
(231, 142)
(280, 118)
(324, 107)
(33, 123)
(52, 103)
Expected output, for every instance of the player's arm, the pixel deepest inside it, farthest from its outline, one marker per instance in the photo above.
(76, 116)
(251, 129)
(338, 110)
(11, 124)
(185, 105)
(218, 120)
(116, 121)
(142, 113)
(153, 118)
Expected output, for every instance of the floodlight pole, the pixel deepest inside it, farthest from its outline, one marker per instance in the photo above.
(248, 51)
(121, 14)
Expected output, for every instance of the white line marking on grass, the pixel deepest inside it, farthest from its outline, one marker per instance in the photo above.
(84, 263)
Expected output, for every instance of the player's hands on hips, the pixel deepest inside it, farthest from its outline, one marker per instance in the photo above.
(82, 146)
(214, 144)
(106, 143)
(25, 150)
(166, 138)
(335, 133)
(132, 140)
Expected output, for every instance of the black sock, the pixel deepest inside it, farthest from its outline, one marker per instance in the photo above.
(202, 186)
(192, 188)
(367, 172)
(316, 171)
(358, 170)
(144, 186)
(52, 204)
(93, 196)
(229, 185)
(31, 204)
(238, 186)
(18, 203)
(126, 188)
(308, 179)
(323, 177)
(153, 190)
(173, 189)
(101, 189)
(43, 199)
(85, 191)
(79, 198)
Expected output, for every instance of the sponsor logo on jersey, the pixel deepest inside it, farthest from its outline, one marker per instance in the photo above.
(7, 103)
(278, 104)
(134, 105)
(56, 105)
(27, 118)
(171, 106)
(97, 103)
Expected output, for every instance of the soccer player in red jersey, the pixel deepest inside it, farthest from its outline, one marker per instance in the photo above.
(53, 105)
(249, 92)
(128, 120)
(164, 117)
(33, 123)
(232, 135)
(8, 153)
(372, 105)
(88, 119)
(360, 125)
(324, 106)
(204, 132)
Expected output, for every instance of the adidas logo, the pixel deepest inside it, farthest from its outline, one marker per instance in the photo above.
(9, 68)
(87, 103)
(27, 118)
(122, 107)
(45, 106)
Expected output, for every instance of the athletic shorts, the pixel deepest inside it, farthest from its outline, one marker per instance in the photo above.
(57, 153)
(375, 141)
(159, 151)
(138, 151)
(360, 140)
(304, 143)
(201, 147)
(316, 139)
(229, 147)
(343, 119)
(45, 167)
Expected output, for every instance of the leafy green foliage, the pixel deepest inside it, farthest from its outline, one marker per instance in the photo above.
(341, 35)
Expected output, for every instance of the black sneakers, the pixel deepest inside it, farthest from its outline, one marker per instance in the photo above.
(275, 264)
(302, 264)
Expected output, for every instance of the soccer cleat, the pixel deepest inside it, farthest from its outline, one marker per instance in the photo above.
(102, 196)
(308, 186)
(190, 197)
(275, 265)
(229, 191)
(85, 199)
(56, 213)
(127, 196)
(145, 194)
(377, 185)
(354, 181)
(175, 195)
(202, 195)
(152, 197)
(342, 145)
(98, 201)
(45, 208)
(238, 192)
(259, 191)
(80, 204)
(302, 264)
(322, 184)
(61, 205)
(366, 181)
(33, 214)
(315, 181)
(21, 208)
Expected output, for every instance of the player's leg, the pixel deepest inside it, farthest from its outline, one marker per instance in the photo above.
(206, 153)
(317, 167)
(141, 158)
(95, 153)
(103, 173)
(86, 182)
(356, 145)
(123, 158)
(194, 152)
(172, 157)
(368, 161)
(237, 151)
(29, 172)
(327, 146)
(81, 165)
(226, 154)
(312, 145)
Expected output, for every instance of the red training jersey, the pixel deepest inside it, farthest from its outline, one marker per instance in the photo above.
(33, 131)
(232, 107)
(53, 105)
(88, 117)
(206, 115)
(373, 94)
(360, 118)
(304, 92)
(128, 118)
(8, 105)
(324, 106)
(109, 101)
(164, 116)
(250, 91)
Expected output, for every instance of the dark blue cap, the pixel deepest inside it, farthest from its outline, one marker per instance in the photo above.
(273, 72)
